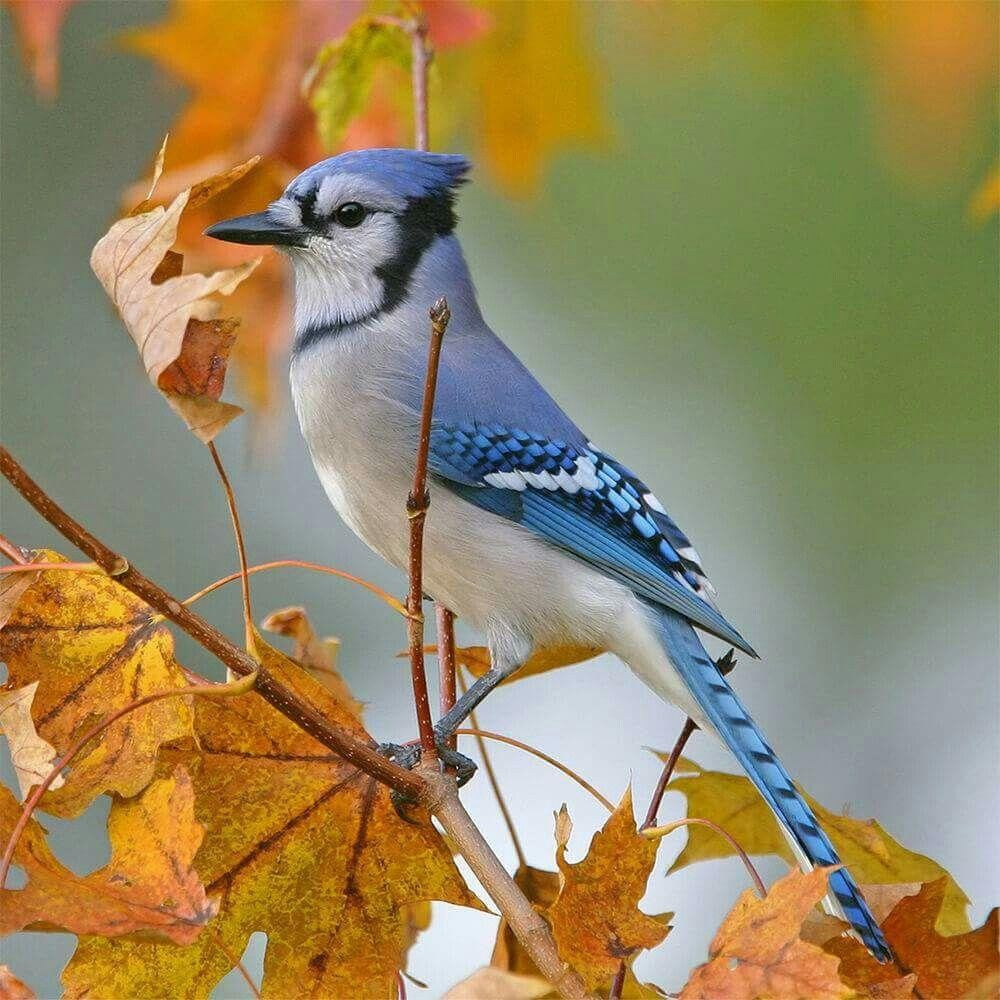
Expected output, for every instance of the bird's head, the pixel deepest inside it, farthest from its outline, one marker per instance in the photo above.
(355, 227)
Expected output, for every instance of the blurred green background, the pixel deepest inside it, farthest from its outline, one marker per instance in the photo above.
(742, 297)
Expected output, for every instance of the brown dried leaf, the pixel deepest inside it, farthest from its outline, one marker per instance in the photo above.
(31, 756)
(871, 855)
(148, 885)
(287, 822)
(596, 919)
(12, 586)
(93, 647)
(318, 656)
(11, 988)
(172, 317)
(758, 952)
(951, 966)
(476, 659)
(490, 983)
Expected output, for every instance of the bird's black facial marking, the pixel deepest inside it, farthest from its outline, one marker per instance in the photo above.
(307, 206)
(421, 223)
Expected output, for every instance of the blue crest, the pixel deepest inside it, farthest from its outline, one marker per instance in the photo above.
(409, 172)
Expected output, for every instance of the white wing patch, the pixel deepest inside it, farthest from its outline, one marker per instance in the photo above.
(583, 478)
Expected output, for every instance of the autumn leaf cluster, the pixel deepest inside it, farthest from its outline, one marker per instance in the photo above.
(226, 818)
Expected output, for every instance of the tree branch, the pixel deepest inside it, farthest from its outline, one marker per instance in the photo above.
(416, 510)
(446, 663)
(363, 755)
(524, 920)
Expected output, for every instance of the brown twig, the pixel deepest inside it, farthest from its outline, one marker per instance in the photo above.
(209, 690)
(11, 551)
(524, 920)
(416, 510)
(241, 551)
(665, 775)
(535, 752)
(415, 28)
(396, 605)
(446, 663)
(363, 755)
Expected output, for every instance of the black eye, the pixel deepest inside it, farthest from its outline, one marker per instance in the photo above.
(351, 214)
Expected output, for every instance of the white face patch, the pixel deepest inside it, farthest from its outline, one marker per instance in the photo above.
(286, 212)
(337, 189)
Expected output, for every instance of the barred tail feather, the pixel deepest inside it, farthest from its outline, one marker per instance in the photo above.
(731, 720)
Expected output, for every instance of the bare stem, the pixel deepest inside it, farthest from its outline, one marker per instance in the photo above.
(210, 690)
(523, 919)
(535, 752)
(446, 663)
(300, 564)
(361, 754)
(241, 551)
(420, 61)
(30, 567)
(12, 551)
(416, 510)
(665, 775)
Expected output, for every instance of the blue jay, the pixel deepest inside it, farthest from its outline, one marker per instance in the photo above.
(535, 535)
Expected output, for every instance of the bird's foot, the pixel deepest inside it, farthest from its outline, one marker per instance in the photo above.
(408, 755)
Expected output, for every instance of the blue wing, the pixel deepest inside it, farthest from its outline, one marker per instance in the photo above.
(585, 502)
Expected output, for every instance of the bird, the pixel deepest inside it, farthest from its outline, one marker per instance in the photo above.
(536, 536)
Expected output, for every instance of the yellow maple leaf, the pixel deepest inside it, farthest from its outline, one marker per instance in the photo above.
(596, 919)
(867, 851)
(287, 821)
(148, 885)
(93, 647)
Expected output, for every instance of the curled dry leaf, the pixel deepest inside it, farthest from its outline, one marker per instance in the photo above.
(93, 647)
(11, 988)
(945, 966)
(31, 756)
(318, 656)
(173, 317)
(871, 854)
(596, 919)
(286, 820)
(490, 983)
(758, 951)
(148, 885)
(476, 659)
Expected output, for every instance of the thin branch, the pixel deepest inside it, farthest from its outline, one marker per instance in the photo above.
(558, 765)
(32, 567)
(241, 686)
(363, 755)
(235, 960)
(416, 510)
(446, 663)
(396, 605)
(656, 832)
(415, 28)
(241, 551)
(11, 551)
(665, 775)
(491, 776)
(524, 920)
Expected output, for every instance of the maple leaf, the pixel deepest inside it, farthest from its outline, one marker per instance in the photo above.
(148, 885)
(489, 983)
(317, 656)
(595, 918)
(943, 966)
(38, 23)
(172, 317)
(476, 659)
(92, 647)
(299, 844)
(11, 988)
(871, 854)
(31, 756)
(758, 951)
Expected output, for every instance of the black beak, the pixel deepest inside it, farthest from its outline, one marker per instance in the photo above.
(257, 229)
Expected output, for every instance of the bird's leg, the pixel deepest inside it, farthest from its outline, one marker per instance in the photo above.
(408, 756)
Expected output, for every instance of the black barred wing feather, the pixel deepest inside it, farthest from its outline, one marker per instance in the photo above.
(585, 502)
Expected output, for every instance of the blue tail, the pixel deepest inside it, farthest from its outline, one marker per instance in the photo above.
(740, 733)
